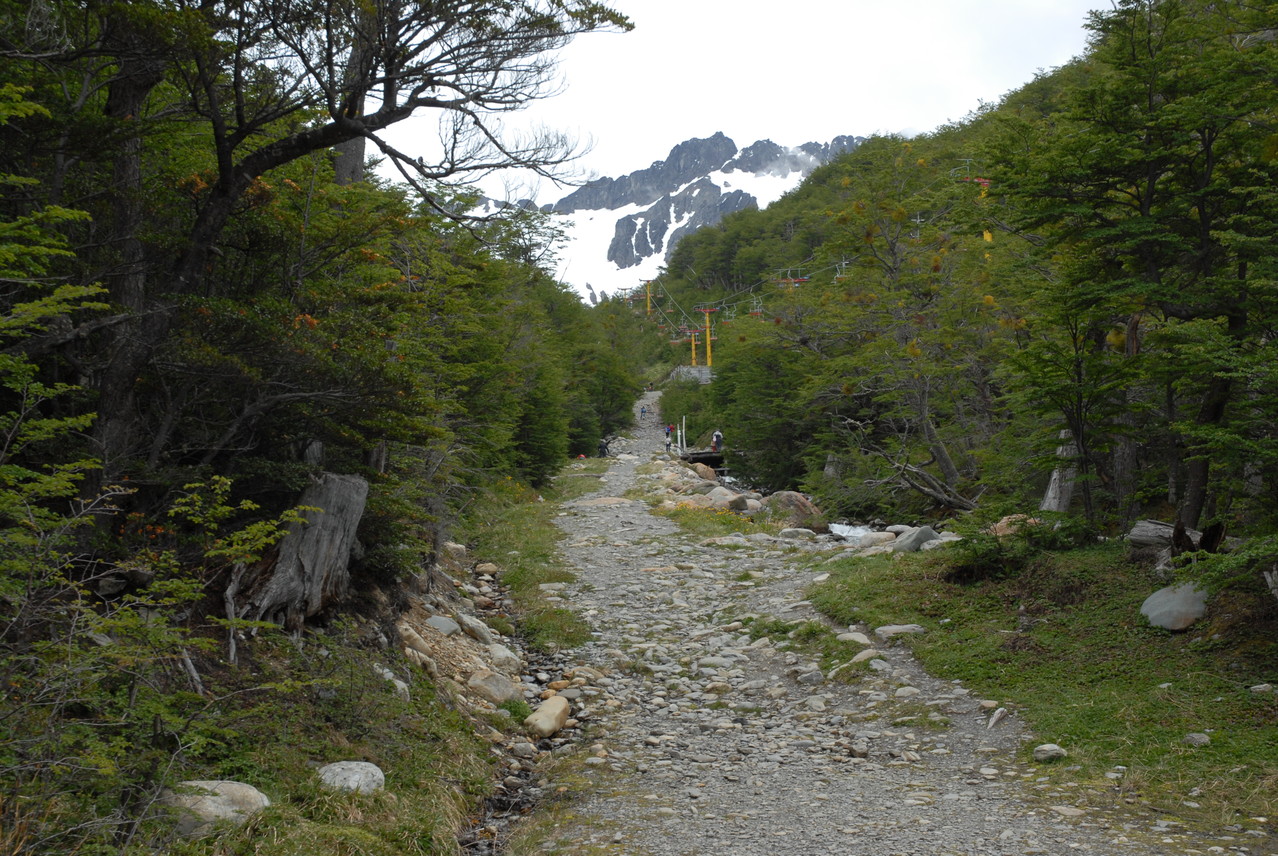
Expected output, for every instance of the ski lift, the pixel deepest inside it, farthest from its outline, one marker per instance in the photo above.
(791, 278)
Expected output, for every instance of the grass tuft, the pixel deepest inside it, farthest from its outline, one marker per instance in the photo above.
(513, 508)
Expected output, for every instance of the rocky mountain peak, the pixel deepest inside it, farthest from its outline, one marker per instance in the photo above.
(686, 162)
(699, 182)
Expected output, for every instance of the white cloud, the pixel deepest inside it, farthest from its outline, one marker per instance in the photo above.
(694, 67)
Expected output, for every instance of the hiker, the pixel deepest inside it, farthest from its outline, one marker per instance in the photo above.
(603, 447)
(643, 412)
(716, 440)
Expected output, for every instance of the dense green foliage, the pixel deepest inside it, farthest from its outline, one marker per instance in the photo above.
(917, 327)
(207, 300)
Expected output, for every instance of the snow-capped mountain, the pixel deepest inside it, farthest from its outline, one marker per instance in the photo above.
(621, 230)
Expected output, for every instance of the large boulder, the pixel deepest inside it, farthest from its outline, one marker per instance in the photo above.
(1175, 607)
(549, 717)
(706, 472)
(913, 540)
(724, 499)
(494, 687)
(443, 624)
(202, 803)
(695, 501)
(795, 508)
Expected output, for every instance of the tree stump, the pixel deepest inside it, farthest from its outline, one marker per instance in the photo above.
(312, 567)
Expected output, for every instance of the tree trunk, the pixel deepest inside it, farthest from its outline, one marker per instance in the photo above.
(312, 568)
(128, 344)
(1060, 488)
(1211, 412)
(949, 472)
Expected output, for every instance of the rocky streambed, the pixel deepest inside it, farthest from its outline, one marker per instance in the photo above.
(699, 737)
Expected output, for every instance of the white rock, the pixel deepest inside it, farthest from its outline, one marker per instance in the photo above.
(911, 541)
(200, 804)
(358, 776)
(1175, 607)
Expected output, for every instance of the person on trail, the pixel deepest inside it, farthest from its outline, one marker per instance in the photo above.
(669, 430)
(603, 447)
(643, 412)
(716, 440)
(667, 443)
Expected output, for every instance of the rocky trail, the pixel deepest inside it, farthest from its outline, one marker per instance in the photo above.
(704, 740)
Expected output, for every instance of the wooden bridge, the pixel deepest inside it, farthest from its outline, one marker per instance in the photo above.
(703, 456)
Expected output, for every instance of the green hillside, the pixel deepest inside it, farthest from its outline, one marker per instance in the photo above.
(916, 326)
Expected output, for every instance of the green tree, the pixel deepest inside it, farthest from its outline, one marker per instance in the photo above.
(1155, 176)
(213, 75)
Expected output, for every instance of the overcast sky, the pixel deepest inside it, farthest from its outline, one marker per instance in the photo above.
(795, 71)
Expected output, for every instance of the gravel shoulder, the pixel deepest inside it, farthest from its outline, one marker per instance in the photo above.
(715, 743)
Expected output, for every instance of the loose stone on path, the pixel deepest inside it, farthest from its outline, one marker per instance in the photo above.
(719, 744)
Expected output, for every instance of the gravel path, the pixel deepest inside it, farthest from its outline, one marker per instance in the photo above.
(714, 744)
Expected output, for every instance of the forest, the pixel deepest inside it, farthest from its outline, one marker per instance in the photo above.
(1077, 278)
(212, 301)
